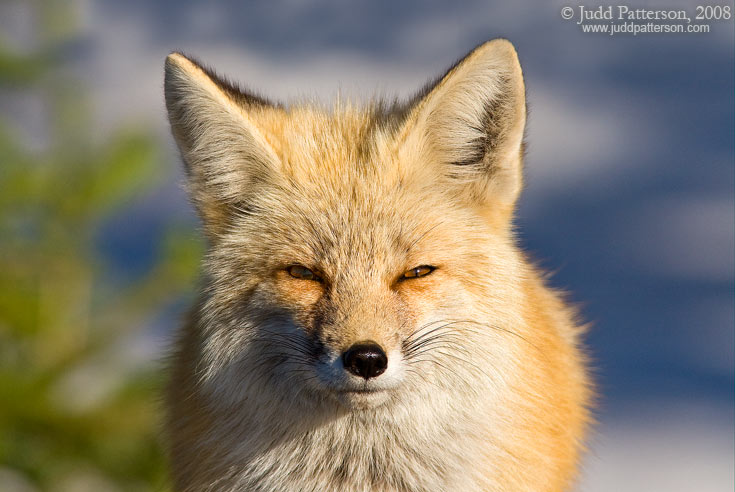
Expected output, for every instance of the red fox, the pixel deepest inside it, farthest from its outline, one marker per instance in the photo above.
(366, 320)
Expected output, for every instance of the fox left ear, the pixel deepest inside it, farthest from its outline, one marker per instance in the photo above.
(225, 151)
(471, 124)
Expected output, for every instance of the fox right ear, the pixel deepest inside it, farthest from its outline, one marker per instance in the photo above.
(471, 123)
(223, 149)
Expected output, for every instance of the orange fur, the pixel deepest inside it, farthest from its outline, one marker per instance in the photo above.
(485, 386)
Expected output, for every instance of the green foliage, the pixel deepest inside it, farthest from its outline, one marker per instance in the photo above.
(78, 410)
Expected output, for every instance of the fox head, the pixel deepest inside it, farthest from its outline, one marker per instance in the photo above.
(357, 255)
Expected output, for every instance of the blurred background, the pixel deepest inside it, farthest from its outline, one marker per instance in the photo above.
(629, 200)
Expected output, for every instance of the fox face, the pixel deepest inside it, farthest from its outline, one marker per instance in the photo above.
(361, 265)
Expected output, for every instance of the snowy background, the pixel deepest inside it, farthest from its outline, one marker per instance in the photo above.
(630, 174)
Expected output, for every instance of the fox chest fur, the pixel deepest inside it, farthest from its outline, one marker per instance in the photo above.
(366, 320)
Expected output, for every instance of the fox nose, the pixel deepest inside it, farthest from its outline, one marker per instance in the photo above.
(365, 359)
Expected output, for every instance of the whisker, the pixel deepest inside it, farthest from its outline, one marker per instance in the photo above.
(441, 341)
(510, 332)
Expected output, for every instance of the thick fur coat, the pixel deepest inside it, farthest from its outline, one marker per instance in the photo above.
(392, 224)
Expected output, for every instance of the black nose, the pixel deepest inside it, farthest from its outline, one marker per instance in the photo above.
(365, 359)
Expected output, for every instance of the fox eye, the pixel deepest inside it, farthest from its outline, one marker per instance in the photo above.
(419, 271)
(303, 273)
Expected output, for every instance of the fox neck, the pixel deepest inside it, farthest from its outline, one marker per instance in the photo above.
(398, 447)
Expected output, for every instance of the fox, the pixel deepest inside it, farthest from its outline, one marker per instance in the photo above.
(366, 319)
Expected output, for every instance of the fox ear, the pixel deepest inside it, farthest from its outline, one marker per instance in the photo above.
(471, 123)
(213, 123)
